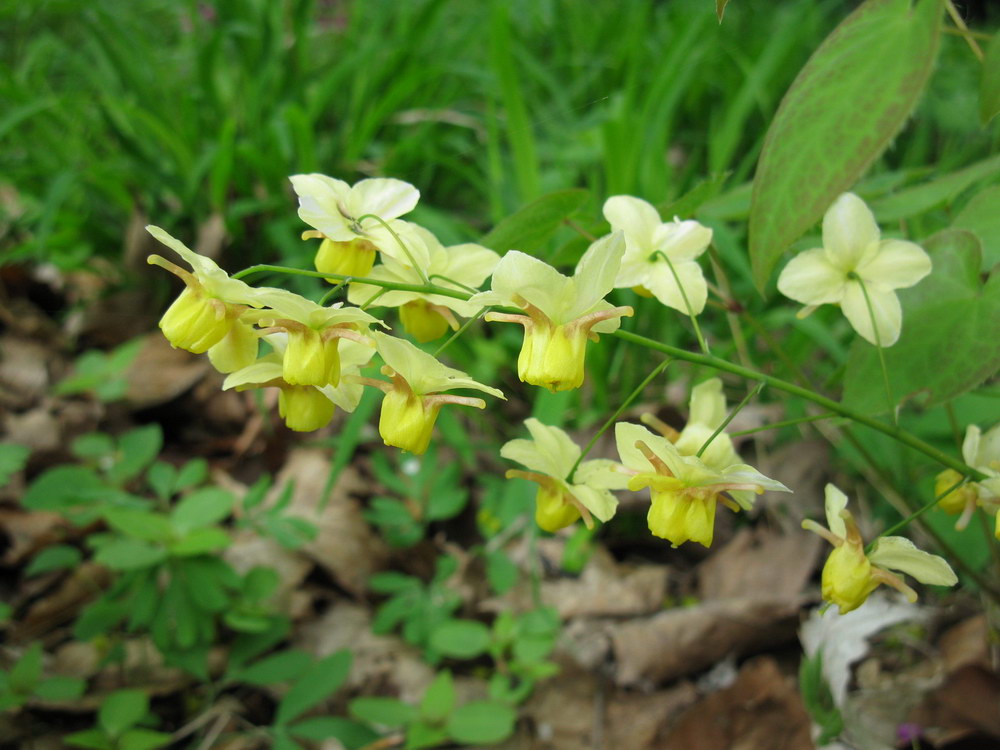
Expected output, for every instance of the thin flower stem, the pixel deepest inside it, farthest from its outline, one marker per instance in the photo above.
(371, 300)
(618, 412)
(893, 431)
(461, 330)
(427, 288)
(459, 284)
(339, 286)
(390, 230)
(687, 303)
(729, 418)
(783, 423)
(964, 30)
(878, 346)
(916, 514)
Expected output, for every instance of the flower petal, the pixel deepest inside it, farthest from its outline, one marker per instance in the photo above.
(897, 553)
(836, 501)
(421, 371)
(626, 436)
(970, 445)
(708, 404)
(811, 279)
(885, 309)
(555, 445)
(595, 273)
(633, 216)
(849, 232)
(322, 204)
(536, 281)
(602, 473)
(660, 281)
(385, 197)
(601, 503)
(682, 240)
(896, 265)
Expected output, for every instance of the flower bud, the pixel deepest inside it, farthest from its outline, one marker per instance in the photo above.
(310, 359)
(406, 421)
(195, 321)
(958, 499)
(847, 577)
(552, 509)
(422, 321)
(353, 258)
(304, 408)
(553, 357)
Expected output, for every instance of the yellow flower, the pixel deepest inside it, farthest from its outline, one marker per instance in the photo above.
(649, 244)
(685, 490)
(850, 574)
(707, 412)
(551, 455)
(561, 312)
(413, 398)
(313, 334)
(427, 316)
(207, 309)
(853, 252)
(981, 452)
(304, 407)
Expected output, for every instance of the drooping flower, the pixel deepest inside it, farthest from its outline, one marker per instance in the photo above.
(981, 452)
(855, 261)
(551, 455)
(561, 312)
(427, 316)
(652, 246)
(305, 407)
(684, 489)
(344, 217)
(314, 333)
(850, 575)
(414, 396)
(208, 309)
(707, 413)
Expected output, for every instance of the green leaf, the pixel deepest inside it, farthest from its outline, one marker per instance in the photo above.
(446, 504)
(439, 700)
(137, 449)
(201, 508)
(161, 477)
(989, 93)
(121, 710)
(24, 675)
(394, 519)
(501, 572)
(140, 524)
(315, 685)
(143, 739)
(720, 8)
(420, 735)
(89, 738)
(460, 639)
(13, 458)
(839, 115)
(260, 582)
(93, 445)
(201, 541)
(981, 217)
(62, 488)
(386, 712)
(392, 582)
(61, 688)
(916, 200)
(482, 722)
(56, 557)
(192, 473)
(530, 227)
(280, 667)
(948, 344)
(130, 554)
(351, 734)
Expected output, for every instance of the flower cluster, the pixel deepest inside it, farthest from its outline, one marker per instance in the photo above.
(319, 356)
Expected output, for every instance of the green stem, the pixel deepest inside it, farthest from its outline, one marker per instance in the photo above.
(461, 330)
(340, 285)
(687, 304)
(427, 288)
(878, 346)
(385, 225)
(618, 412)
(916, 514)
(783, 423)
(957, 19)
(893, 431)
(728, 419)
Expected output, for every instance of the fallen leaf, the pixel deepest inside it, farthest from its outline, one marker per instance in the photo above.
(760, 562)
(683, 641)
(345, 545)
(762, 710)
(967, 702)
(24, 371)
(159, 373)
(968, 642)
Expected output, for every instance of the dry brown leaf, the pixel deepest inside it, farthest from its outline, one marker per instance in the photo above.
(967, 702)
(63, 605)
(683, 641)
(968, 642)
(24, 371)
(762, 710)
(160, 373)
(38, 429)
(345, 545)
(27, 533)
(604, 588)
(760, 562)
(249, 549)
(381, 664)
